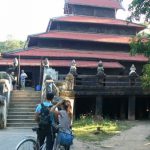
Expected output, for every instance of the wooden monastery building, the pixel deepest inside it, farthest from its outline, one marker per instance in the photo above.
(87, 33)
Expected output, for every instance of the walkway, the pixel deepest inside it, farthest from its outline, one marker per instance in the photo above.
(10, 137)
(132, 139)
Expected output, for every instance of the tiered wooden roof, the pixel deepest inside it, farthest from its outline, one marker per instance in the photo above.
(96, 20)
(61, 63)
(97, 3)
(105, 38)
(62, 57)
(53, 54)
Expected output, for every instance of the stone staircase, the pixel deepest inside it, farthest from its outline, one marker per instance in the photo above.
(22, 107)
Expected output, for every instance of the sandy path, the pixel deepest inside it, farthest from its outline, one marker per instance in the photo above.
(132, 139)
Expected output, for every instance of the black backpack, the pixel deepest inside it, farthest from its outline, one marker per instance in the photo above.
(44, 119)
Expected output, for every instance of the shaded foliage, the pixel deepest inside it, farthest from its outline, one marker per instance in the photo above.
(146, 76)
(140, 45)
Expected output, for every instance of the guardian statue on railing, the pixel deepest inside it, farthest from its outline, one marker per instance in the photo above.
(45, 63)
(132, 75)
(13, 67)
(69, 81)
(73, 68)
(70, 78)
(100, 73)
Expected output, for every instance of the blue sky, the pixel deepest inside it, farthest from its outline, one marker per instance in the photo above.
(20, 18)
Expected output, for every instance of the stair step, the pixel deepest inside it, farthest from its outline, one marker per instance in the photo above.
(26, 93)
(24, 102)
(20, 116)
(21, 113)
(14, 127)
(22, 105)
(16, 120)
(21, 124)
(26, 98)
(21, 110)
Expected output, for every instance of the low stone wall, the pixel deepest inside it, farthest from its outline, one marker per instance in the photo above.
(3, 112)
(5, 90)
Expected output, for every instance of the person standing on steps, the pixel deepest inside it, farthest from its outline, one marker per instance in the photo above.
(23, 77)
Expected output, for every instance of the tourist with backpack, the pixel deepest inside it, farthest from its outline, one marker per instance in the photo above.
(45, 120)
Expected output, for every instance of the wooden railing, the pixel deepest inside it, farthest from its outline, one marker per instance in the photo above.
(110, 80)
(112, 85)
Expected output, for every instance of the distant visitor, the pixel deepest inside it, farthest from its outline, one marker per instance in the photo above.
(23, 77)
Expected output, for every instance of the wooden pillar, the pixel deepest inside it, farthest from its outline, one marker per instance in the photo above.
(131, 108)
(99, 103)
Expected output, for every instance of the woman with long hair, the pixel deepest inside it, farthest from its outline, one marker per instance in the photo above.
(64, 119)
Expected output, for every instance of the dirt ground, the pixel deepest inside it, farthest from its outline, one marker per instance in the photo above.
(131, 139)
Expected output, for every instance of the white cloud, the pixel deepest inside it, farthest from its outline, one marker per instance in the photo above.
(123, 14)
(21, 18)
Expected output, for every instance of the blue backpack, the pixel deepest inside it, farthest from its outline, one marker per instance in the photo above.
(65, 139)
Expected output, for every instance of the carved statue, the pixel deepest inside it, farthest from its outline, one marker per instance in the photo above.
(15, 62)
(132, 75)
(100, 73)
(13, 67)
(132, 70)
(45, 63)
(100, 68)
(69, 81)
(73, 68)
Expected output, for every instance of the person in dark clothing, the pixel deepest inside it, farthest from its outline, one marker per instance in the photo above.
(47, 131)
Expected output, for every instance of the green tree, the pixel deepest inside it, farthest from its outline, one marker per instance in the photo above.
(146, 76)
(11, 45)
(138, 8)
(140, 44)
